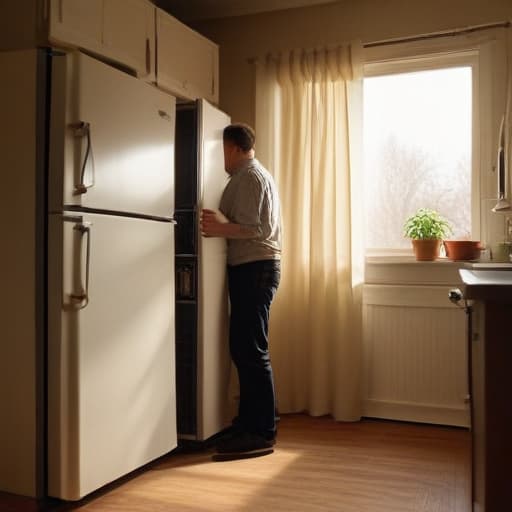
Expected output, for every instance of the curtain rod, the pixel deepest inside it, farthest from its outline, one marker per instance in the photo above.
(450, 33)
(468, 30)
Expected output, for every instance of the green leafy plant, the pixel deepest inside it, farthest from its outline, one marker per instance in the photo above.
(426, 224)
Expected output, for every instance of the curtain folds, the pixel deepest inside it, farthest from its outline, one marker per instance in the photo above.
(308, 124)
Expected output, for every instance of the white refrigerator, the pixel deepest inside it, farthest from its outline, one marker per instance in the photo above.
(108, 187)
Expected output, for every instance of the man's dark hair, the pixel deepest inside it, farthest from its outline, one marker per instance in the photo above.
(242, 135)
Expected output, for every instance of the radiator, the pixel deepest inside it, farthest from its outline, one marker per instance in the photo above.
(414, 355)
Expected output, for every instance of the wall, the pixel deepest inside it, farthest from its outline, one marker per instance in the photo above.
(367, 20)
(246, 37)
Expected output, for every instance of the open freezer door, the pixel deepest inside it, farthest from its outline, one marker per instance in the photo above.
(212, 347)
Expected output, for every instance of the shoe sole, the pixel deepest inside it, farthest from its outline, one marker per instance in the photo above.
(223, 457)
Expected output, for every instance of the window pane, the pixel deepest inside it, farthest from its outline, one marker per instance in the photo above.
(417, 151)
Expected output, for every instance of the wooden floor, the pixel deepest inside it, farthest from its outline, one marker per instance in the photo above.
(319, 465)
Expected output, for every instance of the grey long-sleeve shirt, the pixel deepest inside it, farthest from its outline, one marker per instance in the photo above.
(251, 199)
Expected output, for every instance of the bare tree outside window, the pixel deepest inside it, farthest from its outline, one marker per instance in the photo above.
(417, 148)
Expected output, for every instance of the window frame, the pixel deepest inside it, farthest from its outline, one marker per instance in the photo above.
(441, 54)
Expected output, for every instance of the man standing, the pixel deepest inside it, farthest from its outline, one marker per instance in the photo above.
(249, 219)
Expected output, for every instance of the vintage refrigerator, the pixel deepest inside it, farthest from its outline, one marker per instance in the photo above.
(203, 368)
(105, 183)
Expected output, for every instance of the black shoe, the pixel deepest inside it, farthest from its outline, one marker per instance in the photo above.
(244, 442)
(227, 433)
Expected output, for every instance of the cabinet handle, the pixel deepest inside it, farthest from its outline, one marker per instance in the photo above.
(148, 56)
(213, 76)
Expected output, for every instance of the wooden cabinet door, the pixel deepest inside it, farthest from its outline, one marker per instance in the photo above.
(187, 62)
(129, 35)
(76, 23)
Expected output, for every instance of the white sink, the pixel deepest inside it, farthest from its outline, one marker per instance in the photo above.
(482, 277)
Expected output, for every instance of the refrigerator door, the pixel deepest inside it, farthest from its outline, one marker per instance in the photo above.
(112, 140)
(111, 377)
(212, 350)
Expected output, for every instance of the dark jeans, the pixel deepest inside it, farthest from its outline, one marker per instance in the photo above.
(252, 287)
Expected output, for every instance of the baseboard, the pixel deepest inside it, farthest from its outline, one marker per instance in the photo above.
(421, 413)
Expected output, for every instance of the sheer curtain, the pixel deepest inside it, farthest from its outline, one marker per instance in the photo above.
(308, 126)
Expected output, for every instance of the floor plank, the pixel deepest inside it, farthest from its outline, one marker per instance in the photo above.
(319, 465)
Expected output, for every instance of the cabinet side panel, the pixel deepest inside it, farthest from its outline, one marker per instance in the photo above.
(498, 412)
(18, 274)
(478, 403)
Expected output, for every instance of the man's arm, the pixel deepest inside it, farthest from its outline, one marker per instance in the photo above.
(214, 224)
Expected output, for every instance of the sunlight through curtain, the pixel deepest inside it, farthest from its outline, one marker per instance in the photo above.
(308, 125)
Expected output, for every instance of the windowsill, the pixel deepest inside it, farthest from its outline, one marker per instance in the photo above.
(404, 269)
(411, 260)
(442, 260)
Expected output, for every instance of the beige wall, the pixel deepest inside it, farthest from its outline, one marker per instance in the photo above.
(368, 20)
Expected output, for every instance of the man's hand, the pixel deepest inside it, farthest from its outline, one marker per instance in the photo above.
(213, 223)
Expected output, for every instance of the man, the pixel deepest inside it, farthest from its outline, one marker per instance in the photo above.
(249, 218)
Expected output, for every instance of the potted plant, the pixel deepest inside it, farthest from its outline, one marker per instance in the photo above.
(426, 228)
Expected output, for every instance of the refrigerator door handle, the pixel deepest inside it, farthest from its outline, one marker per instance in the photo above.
(83, 129)
(80, 300)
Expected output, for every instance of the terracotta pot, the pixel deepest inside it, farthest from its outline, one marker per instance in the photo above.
(464, 250)
(427, 249)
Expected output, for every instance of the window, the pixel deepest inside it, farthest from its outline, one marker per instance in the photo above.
(418, 138)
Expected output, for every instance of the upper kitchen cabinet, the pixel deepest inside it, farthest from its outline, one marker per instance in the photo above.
(129, 35)
(187, 62)
(117, 31)
(76, 23)
(122, 31)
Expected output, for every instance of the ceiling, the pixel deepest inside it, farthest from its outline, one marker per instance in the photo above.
(194, 10)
